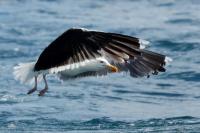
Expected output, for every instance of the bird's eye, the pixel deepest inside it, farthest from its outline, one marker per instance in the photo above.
(101, 62)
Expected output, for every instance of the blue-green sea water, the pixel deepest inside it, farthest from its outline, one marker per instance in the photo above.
(169, 102)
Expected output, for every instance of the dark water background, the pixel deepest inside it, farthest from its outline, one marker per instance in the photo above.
(169, 102)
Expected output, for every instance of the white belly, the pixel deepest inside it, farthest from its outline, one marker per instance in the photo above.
(74, 69)
(90, 66)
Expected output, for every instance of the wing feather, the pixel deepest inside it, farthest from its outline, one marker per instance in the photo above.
(77, 45)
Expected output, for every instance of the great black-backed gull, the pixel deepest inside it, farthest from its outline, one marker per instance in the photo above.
(80, 52)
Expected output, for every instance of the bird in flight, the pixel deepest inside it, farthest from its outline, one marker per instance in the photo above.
(79, 53)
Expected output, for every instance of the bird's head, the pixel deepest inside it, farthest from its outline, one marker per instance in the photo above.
(104, 63)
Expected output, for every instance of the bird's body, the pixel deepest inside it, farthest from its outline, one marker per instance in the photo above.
(79, 53)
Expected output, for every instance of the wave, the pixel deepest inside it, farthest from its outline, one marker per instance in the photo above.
(183, 123)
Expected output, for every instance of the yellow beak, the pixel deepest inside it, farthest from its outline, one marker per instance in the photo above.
(112, 68)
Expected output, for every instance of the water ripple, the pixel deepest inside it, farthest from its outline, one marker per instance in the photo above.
(161, 103)
(12, 54)
(162, 94)
(186, 76)
(104, 123)
(177, 46)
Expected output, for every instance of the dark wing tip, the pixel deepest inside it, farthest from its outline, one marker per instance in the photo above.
(148, 63)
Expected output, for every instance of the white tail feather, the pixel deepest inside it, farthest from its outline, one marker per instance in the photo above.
(24, 72)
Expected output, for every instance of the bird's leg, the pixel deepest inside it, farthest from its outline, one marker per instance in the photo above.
(34, 88)
(42, 92)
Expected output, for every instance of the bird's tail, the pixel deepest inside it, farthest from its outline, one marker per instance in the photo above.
(24, 72)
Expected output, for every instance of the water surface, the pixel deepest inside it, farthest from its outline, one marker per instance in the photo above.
(169, 102)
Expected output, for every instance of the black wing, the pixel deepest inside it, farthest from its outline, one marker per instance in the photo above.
(76, 45)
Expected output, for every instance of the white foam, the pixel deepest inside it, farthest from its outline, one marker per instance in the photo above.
(168, 60)
(143, 43)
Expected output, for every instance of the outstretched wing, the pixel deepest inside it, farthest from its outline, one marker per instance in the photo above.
(77, 45)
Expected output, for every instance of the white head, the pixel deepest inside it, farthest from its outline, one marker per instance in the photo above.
(102, 62)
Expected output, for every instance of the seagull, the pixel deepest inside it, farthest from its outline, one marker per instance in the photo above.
(80, 53)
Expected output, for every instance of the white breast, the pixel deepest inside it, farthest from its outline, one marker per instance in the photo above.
(91, 65)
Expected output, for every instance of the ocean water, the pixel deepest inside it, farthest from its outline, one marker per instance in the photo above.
(169, 102)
